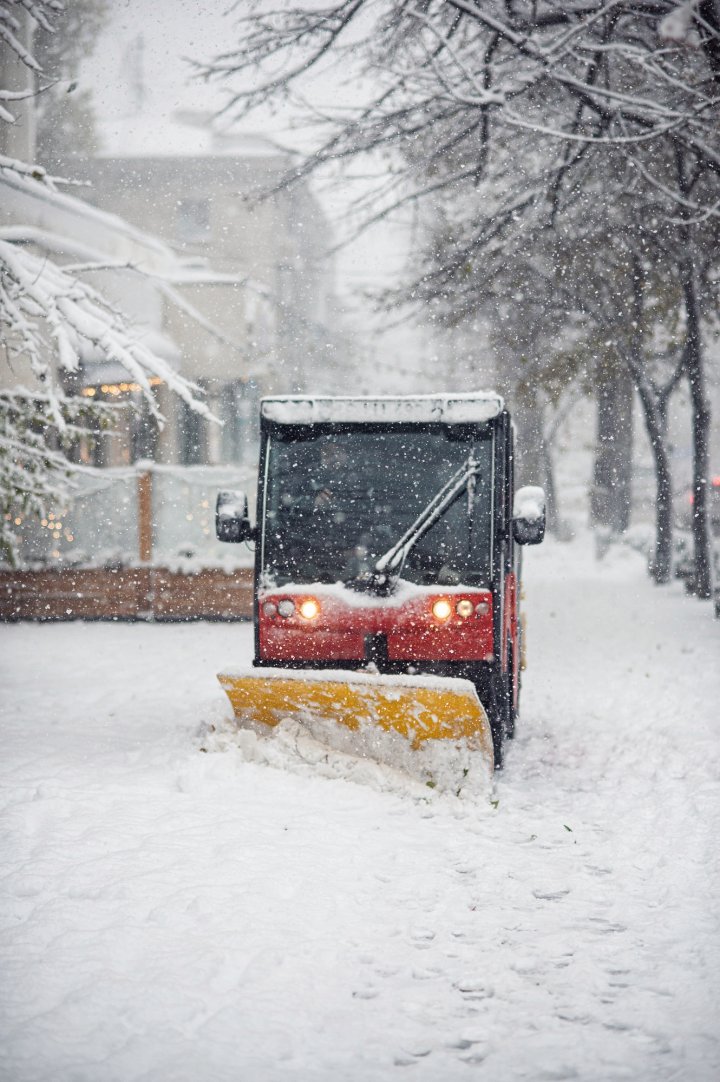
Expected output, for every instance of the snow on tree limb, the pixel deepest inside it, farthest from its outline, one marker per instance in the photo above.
(50, 319)
(41, 300)
(35, 474)
(541, 69)
(55, 244)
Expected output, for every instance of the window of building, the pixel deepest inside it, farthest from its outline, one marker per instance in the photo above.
(143, 431)
(192, 223)
(193, 445)
(239, 409)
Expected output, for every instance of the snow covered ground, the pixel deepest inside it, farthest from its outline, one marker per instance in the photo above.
(251, 913)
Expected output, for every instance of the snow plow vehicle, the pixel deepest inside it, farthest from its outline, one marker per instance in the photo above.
(387, 568)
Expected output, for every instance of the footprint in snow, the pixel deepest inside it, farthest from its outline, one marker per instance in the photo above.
(606, 926)
(475, 987)
(475, 1055)
(473, 1047)
(407, 1058)
(387, 970)
(403, 1059)
(528, 965)
(422, 937)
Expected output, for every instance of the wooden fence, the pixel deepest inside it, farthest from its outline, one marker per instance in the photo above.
(135, 593)
(147, 591)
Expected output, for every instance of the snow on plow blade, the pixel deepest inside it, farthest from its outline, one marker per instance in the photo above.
(417, 708)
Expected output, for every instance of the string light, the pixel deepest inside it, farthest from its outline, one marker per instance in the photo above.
(116, 389)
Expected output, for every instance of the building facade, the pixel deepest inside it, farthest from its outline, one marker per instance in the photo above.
(256, 268)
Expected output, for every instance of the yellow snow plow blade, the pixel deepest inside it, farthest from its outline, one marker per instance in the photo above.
(418, 708)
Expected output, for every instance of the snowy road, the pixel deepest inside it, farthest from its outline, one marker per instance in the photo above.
(178, 916)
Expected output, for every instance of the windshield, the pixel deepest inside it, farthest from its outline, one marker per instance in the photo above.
(337, 501)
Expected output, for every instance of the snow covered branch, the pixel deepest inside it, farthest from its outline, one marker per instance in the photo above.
(35, 471)
(44, 306)
(596, 72)
(42, 11)
(50, 320)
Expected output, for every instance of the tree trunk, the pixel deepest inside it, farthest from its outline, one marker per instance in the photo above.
(611, 495)
(533, 456)
(661, 568)
(709, 12)
(547, 477)
(701, 432)
(654, 406)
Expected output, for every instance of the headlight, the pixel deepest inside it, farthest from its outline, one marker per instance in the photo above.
(464, 608)
(269, 608)
(310, 608)
(442, 609)
(286, 607)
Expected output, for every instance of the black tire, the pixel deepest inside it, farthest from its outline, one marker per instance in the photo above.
(495, 698)
(498, 739)
(511, 709)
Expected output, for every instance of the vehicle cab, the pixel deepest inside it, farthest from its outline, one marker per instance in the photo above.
(386, 539)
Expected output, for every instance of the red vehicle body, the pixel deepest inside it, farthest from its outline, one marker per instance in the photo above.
(386, 538)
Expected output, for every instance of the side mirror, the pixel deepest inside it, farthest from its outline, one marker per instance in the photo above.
(232, 521)
(529, 515)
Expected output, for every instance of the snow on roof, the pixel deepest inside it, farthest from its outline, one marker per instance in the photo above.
(474, 407)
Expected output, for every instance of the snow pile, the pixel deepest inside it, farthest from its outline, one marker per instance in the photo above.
(404, 593)
(232, 505)
(369, 679)
(529, 503)
(450, 765)
(380, 761)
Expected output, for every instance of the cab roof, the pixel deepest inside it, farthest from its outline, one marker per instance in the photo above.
(473, 407)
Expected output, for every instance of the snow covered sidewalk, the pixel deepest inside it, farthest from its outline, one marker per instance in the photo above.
(249, 913)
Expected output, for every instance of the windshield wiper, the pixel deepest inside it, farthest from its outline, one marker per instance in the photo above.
(388, 567)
